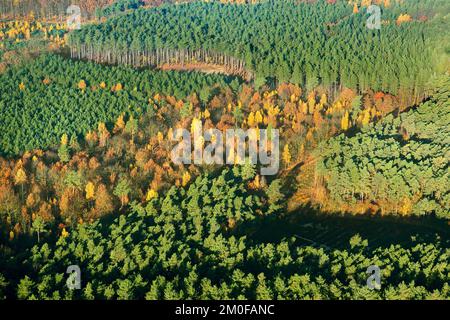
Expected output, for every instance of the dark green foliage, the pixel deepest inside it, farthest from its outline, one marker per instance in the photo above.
(3, 285)
(183, 246)
(118, 6)
(274, 196)
(39, 115)
(400, 163)
(304, 43)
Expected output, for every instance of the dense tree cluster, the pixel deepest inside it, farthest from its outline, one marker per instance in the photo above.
(106, 163)
(57, 9)
(188, 244)
(118, 6)
(306, 44)
(113, 163)
(400, 163)
(87, 177)
(49, 9)
(51, 96)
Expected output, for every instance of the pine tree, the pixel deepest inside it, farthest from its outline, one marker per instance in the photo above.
(248, 171)
(63, 151)
(25, 288)
(275, 196)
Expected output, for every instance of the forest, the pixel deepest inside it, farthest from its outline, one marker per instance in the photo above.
(49, 9)
(399, 160)
(315, 50)
(118, 7)
(45, 98)
(87, 178)
(188, 244)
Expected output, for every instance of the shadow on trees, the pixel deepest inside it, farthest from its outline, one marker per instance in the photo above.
(310, 226)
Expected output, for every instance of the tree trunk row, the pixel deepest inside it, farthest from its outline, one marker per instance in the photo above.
(157, 58)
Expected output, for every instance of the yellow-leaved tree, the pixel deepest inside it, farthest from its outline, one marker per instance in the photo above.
(20, 179)
(323, 99)
(251, 119)
(258, 117)
(64, 233)
(160, 137)
(345, 121)
(286, 155)
(64, 139)
(365, 118)
(118, 87)
(151, 194)
(120, 123)
(196, 125)
(186, 178)
(403, 18)
(90, 191)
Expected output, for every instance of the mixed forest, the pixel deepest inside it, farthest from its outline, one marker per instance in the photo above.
(87, 119)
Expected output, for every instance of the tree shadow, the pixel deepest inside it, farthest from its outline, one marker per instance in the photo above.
(312, 227)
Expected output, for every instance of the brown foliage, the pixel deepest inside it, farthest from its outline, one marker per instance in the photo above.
(103, 201)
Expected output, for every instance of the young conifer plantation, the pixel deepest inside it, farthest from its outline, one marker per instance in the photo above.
(349, 103)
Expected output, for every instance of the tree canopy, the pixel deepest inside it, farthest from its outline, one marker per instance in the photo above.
(51, 96)
(307, 44)
(399, 163)
(188, 244)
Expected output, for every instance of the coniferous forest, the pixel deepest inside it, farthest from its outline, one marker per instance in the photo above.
(359, 115)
